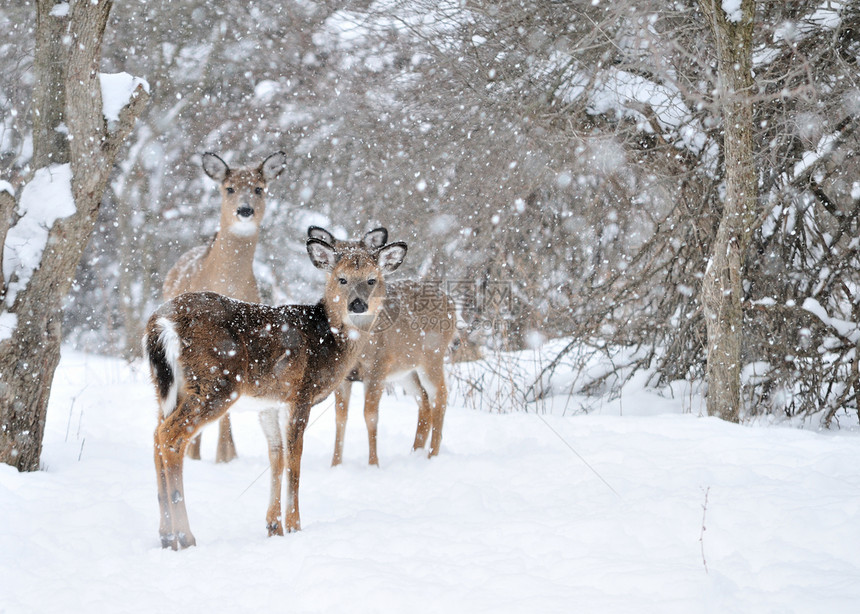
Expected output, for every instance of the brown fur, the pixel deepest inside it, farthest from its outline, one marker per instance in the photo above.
(225, 265)
(295, 354)
(417, 341)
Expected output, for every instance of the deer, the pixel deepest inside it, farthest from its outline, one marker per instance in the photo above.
(225, 264)
(408, 345)
(207, 350)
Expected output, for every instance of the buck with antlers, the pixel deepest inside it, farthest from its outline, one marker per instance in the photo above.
(409, 344)
(225, 264)
(206, 350)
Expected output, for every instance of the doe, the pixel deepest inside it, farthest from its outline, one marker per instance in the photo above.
(409, 343)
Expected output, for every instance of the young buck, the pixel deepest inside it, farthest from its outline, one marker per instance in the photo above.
(409, 344)
(206, 350)
(225, 265)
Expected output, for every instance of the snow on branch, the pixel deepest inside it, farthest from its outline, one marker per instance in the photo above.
(44, 200)
(117, 92)
(845, 329)
(732, 9)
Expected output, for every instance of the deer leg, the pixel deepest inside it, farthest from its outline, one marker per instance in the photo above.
(270, 421)
(295, 439)
(226, 450)
(423, 428)
(171, 439)
(193, 449)
(372, 395)
(341, 407)
(165, 528)
(434, 383)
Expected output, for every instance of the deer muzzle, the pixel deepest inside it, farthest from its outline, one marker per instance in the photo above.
(357, 305)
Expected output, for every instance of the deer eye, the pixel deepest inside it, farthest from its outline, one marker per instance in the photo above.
(231, 190)
(370, 282)
(342, 281)
(258, 191)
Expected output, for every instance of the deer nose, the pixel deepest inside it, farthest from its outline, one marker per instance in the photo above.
(245, 211)
(357, 305)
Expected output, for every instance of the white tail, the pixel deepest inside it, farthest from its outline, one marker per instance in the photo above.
(225, 265)
(409, 343)
(212, 349)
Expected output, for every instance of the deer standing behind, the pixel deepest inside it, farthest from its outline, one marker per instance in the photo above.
(225, 264)
(206, 350)
(409, 343)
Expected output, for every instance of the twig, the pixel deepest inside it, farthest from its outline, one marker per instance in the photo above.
(71, 408)
(702, 533)
(263, 472)
(579, 456)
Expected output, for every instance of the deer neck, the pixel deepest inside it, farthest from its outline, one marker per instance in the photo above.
(233, 252)
(352, 340)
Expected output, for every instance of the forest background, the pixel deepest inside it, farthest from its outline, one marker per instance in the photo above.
(558, 166)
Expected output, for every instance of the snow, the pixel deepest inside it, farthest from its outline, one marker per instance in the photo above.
(117, 90)
(60, 9)
(265, 90)
(630, 95)
(843, 328)
(8, 324)
(828, 15)
(5, 186)
(44, 200)
(732, 9)
(507, 518)
(810, 158)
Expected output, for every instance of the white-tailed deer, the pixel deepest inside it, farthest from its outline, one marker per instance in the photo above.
(206, 350)
(225, 264)
(409, 343)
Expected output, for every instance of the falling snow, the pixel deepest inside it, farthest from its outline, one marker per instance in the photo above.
(560, 169)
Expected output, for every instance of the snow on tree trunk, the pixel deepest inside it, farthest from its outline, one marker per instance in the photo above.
(37, 280)
(722, 287)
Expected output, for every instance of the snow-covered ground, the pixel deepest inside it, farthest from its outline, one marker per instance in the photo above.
(507, 519)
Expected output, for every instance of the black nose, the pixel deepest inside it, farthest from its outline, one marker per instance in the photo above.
(357, 305)
(245, 211)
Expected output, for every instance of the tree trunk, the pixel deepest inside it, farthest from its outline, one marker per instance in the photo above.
(29, 357)
(722, 287)
(50, 143)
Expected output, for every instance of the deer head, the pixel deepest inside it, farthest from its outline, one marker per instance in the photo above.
(243, 191)
(355, 288)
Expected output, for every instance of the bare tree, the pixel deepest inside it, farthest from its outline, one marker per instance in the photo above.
(67, 99)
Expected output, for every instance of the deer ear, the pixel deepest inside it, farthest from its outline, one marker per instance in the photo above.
(215, 167)
(322, 254)
(375, 238)
(391, 256)
(273, 165)
(316, 232)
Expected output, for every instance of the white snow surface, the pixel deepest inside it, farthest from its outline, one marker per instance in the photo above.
(44, 200)
(117, 90)
(507, 518)
(5, 186)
